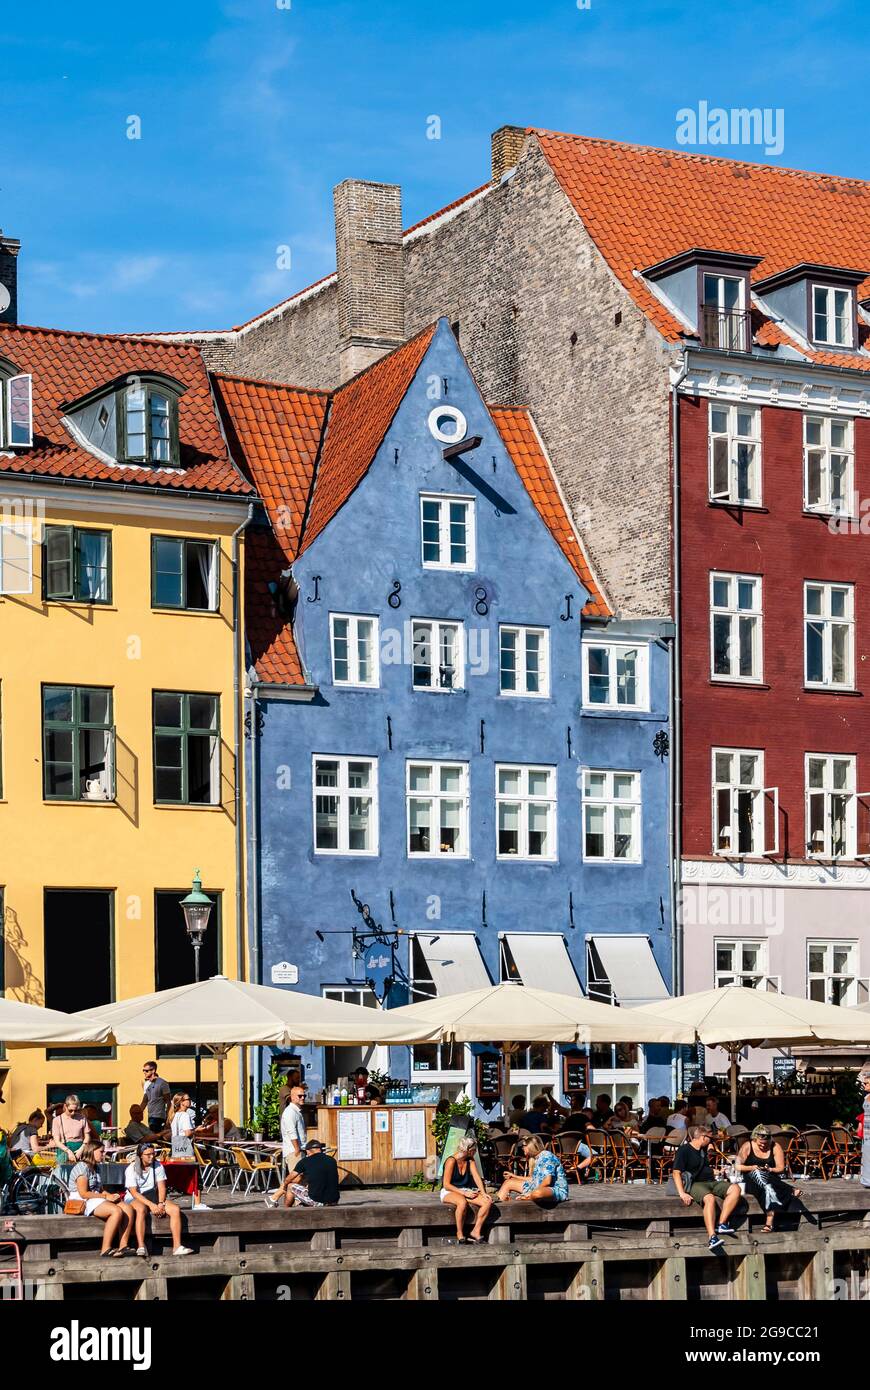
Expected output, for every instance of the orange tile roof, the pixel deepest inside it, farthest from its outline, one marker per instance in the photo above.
(523, 443)
(361, 414)
(271, 644)
(274, 432)
(66, 366)
(642, 205)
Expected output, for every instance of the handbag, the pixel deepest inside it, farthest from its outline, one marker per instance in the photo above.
(671, 1187)
(74, 1206)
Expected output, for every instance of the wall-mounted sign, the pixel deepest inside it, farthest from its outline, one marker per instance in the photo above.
(575, 1075)
(488, 1076)
(783, 1068)
(285, 974)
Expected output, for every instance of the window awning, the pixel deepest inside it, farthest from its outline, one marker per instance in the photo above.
(631, 968)
(454, 961)
(543, 962)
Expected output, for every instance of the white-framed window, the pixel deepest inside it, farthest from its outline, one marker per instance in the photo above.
(837, 815)
(437, 798)
(525, 812)
(740, 962)
(616, 675)
(354, 645)
(438, 655)
(829, 464)
(832, 972)
(345, 792)
(735, 454)
(735, 627)
(342, 1062)
(828, 634)
(723, 312)
(745, 812)
(449, 1057)
(524, 661)
(833, 316)
(16, 411)
(611, 816)
(447, 531)
(16, 557)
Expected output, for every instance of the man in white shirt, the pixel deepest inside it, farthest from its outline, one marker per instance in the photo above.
(715, 1119)
(294, 1135)
(678, 1119)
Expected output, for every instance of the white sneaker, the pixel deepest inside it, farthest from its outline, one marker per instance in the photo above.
(201, 1206)
(269, 1200)
(182, 1250)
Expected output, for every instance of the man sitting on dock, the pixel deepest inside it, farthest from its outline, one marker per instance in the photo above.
(694, 1181)
(313, 1182)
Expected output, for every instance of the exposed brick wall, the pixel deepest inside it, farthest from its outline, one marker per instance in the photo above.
(9, 249)
(785, 547)
(299, 347)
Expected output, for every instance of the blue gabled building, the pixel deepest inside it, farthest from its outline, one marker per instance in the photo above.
(452, 737)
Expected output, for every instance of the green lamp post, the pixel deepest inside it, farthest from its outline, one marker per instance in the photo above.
(197, 908)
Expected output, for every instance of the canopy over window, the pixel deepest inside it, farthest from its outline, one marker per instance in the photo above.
(454, 961)
(543, 961)
(631, 968)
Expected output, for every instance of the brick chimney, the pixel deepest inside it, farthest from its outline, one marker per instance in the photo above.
(9, 249)
(371, 290)
(507, 146)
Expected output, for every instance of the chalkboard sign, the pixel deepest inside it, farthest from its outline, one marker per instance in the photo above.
(783, 1068)
(489, 1076)
(575, 1075)
(692, 1072)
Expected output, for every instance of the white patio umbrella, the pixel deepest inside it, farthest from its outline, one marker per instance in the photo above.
(28, 1025)
(220, 1014)
(734, 1017)
(510, 1013)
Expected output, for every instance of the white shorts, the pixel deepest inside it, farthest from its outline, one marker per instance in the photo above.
(91, 1204)
(445, 1194)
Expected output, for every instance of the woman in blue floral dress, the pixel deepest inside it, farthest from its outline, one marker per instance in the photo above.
(547, 1181)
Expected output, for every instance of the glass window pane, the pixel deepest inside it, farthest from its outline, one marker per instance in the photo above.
(816, 960)
(167, 711)
(199, 560)
(58, 703)
(509, 781)
(815, 652)
(623, 828)
(201, 771)
(326, 773)
(326, 822)
(623, 784)
(420, 818)
(839, 654)
(359, 822)
(598, 659)
(365, 650)
(168, 582)
(451, 815)
(420, 777)
(539, 828)
(626, 677)
(359, 775)
(508, 665)
(93, 566)
(340, 650)
(746, 593)
(539, 782)
(721, 593)
(594, 838)
(451, 779)
(746, 655)
(94, 706)
(508, 828)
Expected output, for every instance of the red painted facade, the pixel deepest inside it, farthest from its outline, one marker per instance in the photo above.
(785, 546)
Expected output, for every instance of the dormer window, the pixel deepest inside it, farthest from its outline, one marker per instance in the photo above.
(16, 409)
(709, 290)
(833, 316)
(150, 432)
(723, 312)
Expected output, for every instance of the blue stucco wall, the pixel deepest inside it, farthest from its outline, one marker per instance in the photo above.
(373, 541)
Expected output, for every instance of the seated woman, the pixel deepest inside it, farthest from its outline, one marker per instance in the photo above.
(85, 1187)
(547, 1181)
(462, 1185)
(622, 1117)
(145, 1182)
(70, 1129)
(762, 1160)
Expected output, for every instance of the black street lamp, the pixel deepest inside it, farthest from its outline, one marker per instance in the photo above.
(197, 908)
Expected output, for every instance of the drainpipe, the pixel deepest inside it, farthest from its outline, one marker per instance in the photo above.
(676, 707)
(239, 769)
(254, 862)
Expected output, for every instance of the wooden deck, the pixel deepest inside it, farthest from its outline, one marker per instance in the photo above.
(605, 1242)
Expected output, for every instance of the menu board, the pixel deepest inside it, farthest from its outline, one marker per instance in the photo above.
(409, 1134)
(354, 1134)
(575, 1075)
(489, 1076)
(783, 1068)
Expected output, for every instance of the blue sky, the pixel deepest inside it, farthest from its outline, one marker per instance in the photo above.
(251, 110)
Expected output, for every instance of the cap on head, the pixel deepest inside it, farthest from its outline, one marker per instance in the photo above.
(313, 1145)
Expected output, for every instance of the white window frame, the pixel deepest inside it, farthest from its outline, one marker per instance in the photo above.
(830, 315)
(737, 789)
(443, 500)
(827, 623)
(733, 443)
(522, 671)
(343, 792)
(739, 974)
(353, 620)
(8, 384)
(22, 532)
(827, 505)
(524, 800)
(829, 976)
(435, 798)
(421, 990)
(613, 649)
(828, 791)
(436, 627)
(610, 803)
(736, 618)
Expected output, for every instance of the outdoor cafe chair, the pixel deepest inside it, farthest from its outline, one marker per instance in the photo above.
(253, 1172)
(845, 1158)
(597, 1142)
(664, 1161)
(211, 1168)
(626, 1160)
(504, 1155)
(566, 1146)
(813, 1153)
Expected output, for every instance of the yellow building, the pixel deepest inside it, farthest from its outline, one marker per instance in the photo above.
(121, 660)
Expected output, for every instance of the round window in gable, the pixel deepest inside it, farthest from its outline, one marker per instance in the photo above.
(448, 424)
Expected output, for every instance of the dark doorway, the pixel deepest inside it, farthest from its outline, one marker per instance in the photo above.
(79, 956)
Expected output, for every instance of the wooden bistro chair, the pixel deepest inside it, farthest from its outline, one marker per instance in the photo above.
(504, 1155)
(813, 1154)
(664, 1161)
(845, 1159)
(626, 1160)
(597, 1141)
(566, 1146)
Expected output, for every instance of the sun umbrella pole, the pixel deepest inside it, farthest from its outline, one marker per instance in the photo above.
(220, 1081)
(733, 1051)
(507, 1081)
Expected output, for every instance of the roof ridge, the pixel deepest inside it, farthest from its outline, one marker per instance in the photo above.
(277, 385)
(152, 340)
(690, 155)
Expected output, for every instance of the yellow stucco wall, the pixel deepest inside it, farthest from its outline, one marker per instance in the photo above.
(131, 846)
